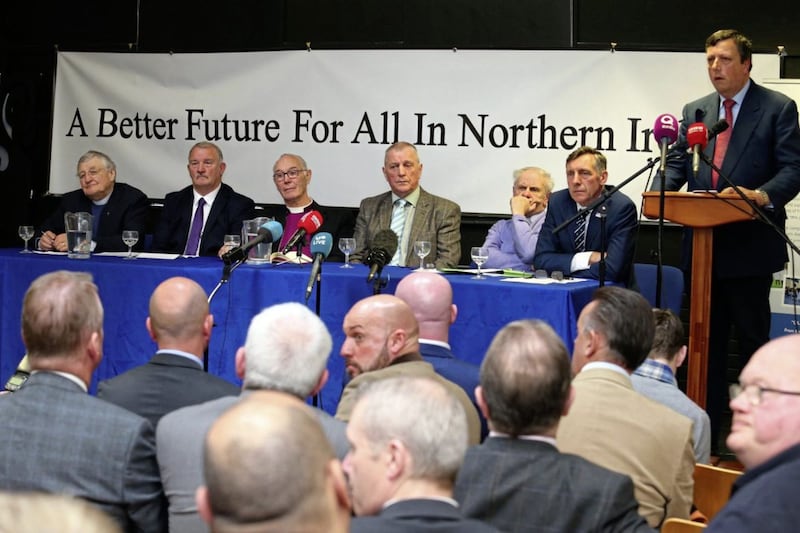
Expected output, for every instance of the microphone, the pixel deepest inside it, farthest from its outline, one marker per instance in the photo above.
(665, 130)
(383, 248)
(268, 232)
(718, 128)
(307, 225)
(697, 137)
(321, 246)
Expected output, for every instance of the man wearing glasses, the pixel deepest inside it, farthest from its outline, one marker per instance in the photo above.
(765, 436)
(292, 176)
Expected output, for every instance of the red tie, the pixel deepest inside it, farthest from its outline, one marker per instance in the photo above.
(722, 141)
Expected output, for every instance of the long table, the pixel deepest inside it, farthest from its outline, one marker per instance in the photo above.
(125, 287)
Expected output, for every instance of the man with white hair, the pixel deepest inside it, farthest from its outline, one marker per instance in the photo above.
(408, 436)
(286, 349)
(765, 436)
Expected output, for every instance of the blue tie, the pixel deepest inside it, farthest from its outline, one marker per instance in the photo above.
(197, 227)
(580, 231)
(397, 225)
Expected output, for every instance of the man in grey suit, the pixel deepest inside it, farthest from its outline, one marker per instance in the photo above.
(56, 438)
(286, 349)
(181, 325)
(525, 389)
(411, 212)
(407, 439)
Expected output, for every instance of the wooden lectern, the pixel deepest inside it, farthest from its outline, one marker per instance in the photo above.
(700, 211)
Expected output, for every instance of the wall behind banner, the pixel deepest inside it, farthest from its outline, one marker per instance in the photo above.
(30, 32)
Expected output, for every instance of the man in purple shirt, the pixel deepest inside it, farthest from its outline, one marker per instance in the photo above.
(512, 242)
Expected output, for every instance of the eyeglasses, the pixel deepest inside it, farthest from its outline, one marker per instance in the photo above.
(291, 174)
(754, 393)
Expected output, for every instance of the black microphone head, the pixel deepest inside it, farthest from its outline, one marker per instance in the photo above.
(386, 240)
(718, 128)
(699, 114)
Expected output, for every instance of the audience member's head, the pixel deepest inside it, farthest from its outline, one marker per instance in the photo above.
(617, 327)
(668, 340)
(525, 380)
(408, 437)
(96, 174)
(268, 467)
(378, 330)
(206, 166)
(38, 512)
(292, 176)
(62, 323)
(586, 174)
(430, 297)
(535, 184)
(766, 410)
(402, 169)
(179, 317)
(286, 349)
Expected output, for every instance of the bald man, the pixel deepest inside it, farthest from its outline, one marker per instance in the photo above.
(268, 467)
(430, 297)
(382, 340)
(765, 436)
(180, 324)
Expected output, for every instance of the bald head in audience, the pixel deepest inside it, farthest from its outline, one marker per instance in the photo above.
(430, 297)
(268, 467)
(179, 317)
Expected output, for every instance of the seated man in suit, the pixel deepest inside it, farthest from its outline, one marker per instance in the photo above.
(655, 378)
(430, 297)
(180, 324)
(292, 177)
(287, 350)
(512, 242)
(410, 212)
(765, 436)
(525, 390)
(57, 438)
(614, 426)
(575, 250)
(407, 439)
(268, 467)
(115, 206)
(195, 220)
(382, 340)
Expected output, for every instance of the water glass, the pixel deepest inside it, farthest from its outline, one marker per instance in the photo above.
(25, 233)
(347, 245)
(130, 237)
(422, 249)
(479, 255)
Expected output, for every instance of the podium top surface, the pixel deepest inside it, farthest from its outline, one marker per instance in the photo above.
(698, 209)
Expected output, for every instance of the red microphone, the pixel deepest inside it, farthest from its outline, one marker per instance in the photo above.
(307, 225)
(697, 137)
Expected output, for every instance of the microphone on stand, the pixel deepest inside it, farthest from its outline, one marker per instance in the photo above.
(665, 130)
(383, 249)
(269, 232)
(321, 245)
(307, 225)
(697, 137)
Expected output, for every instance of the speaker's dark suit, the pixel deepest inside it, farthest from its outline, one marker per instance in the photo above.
(56, 438)
(126, 209)
(339, 222)
(419, 515)
(527, 485)
(555, 251)
(227, 213)
(163, 384)
(763, 153)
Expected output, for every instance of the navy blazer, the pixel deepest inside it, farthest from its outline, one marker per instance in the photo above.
(763, 153)
(338, 222)
(165, 383)
(555, 251)
(227, 213)
(126, 209)
(419, 515)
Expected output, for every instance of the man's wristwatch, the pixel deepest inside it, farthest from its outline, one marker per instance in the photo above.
(764, 196)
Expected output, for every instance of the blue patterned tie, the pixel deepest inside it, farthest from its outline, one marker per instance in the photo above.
(197, 227)
(397, 225)
(580, 231)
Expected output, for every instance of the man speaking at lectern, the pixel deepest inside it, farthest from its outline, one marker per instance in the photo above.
(760, 154)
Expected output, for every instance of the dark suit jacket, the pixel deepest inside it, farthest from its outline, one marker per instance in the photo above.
(227, 213)
(56, 438)
(163, 384)
(419, 515)
(763, 153)
(555, 252)
(527, 485)
(435, 219)
(126, 210)
(338, 222)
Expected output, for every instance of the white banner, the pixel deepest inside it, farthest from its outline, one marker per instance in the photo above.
(475, 116)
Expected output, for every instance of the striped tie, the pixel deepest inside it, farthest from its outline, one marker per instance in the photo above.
(580, 231)
(397, 225)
